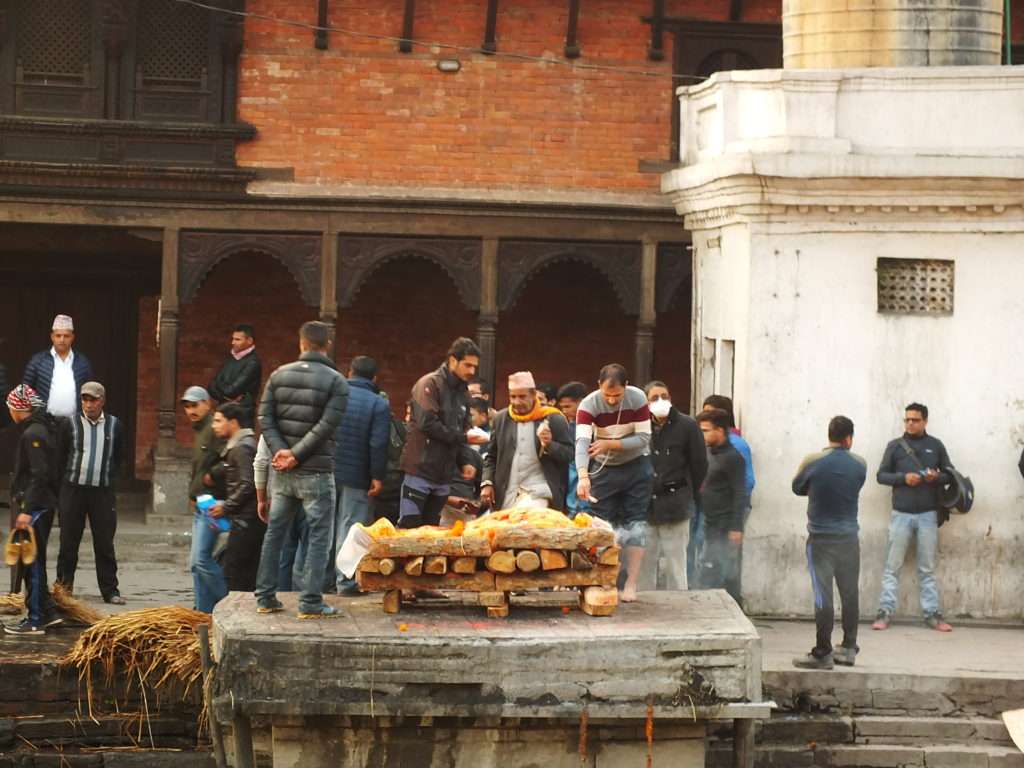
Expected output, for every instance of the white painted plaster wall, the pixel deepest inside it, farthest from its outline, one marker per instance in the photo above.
(817, 347)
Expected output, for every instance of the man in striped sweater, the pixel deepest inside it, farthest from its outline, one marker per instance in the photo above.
(93, 443)
(613, 434)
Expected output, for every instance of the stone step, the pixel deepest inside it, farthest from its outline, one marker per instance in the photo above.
(105, 731)
(855, 692)
(873, 756)
(789, 728)
(114, 758)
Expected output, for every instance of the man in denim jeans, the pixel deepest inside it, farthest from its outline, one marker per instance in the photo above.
(915, 466)
(301, 407)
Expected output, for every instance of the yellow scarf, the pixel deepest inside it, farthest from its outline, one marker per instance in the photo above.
(539, 412)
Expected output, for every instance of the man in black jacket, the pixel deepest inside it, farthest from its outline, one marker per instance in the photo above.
(301, 408)
(242, 556)
(724, 500)
(34, 488)
(437, 444)
(680, 463)
(527, 460)
(915, 466)
(238, 380)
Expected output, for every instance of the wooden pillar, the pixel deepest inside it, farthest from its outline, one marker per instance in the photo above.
(169, 308)
(743, 743)
(642, 367)
(329, 283)
(487, 324)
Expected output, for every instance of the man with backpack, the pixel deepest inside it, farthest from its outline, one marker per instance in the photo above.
(915, 465)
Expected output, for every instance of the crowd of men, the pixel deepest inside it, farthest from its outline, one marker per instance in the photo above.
(271, 511)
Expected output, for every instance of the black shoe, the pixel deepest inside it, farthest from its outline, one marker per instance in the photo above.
(810, 661)
(114, 599)
(844, 656)
(350, 590)
(25, 627)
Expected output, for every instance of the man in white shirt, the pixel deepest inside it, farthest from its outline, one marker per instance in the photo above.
(57, 375)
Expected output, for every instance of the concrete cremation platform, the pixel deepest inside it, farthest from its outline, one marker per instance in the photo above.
(442, 686)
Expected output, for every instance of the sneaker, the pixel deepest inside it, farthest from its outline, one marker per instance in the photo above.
(350, 590)
(810, 661)
(269, 606)
(114, 599)
(936, 622)
(882, 620)
(845, 657)
(325, 612)
(52, 621)
(24, 627)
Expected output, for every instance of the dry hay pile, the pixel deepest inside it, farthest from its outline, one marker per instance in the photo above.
(11, 604)
(69, 607)
(156, 648)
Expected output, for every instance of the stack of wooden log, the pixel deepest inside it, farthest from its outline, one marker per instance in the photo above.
(517, 559)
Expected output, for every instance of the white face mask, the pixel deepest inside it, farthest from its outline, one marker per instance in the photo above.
(660, 408)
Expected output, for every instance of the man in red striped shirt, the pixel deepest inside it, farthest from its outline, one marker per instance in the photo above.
(613, 435)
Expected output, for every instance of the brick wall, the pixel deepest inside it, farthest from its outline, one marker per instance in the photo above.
(147, 388)
(246, 287)
(405, 316)
(363, 113)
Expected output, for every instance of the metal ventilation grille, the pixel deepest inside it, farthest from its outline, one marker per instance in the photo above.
(53, 35)
(173, 42)
(915, 286)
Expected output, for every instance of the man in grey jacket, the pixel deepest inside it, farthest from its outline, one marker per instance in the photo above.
(301, 408)
(915, 466)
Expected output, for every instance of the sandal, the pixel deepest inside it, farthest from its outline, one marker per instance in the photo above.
(29, 549)
(12, 550)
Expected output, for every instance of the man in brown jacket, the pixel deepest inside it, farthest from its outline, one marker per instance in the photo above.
(438, 442)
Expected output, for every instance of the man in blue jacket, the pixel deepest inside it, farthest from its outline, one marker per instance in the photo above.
(360, 459)
(57, 374)
(831, 480)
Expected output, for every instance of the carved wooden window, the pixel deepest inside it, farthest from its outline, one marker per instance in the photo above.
(53, 50)
(915, 286)
(172, 61)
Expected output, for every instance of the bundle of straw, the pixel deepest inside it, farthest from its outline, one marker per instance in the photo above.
(71, 608)
(12, 604)
(155, 648)
(74, 609)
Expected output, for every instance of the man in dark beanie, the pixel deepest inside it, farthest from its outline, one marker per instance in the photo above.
(34, 490)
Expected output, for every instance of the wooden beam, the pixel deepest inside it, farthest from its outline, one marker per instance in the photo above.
(487, 321)
(644, 340)
(320, 33)
(657, 49)
(169, 305)
(735, 10)
(405, 46)
(572, 43)
(490, 32)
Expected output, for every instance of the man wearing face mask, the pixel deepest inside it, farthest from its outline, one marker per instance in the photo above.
(680, 463)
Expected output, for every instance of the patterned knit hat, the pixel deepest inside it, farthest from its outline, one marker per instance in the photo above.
(24, 398)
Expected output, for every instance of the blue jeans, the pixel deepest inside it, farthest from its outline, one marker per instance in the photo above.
(294, 492)
(353, 507)
(293, 556)
(208, 584)
(902, 528)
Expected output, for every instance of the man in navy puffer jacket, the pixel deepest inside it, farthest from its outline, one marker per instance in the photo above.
(360, 459)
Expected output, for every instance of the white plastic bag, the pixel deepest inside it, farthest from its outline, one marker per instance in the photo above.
(354, 548)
